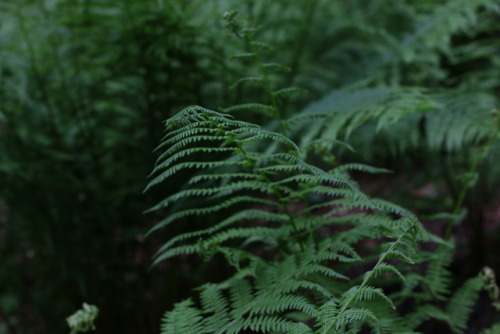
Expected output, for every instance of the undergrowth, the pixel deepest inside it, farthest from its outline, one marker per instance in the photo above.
(341, 176)
(310, 252)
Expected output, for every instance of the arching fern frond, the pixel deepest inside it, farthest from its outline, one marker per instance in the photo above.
(403, 117)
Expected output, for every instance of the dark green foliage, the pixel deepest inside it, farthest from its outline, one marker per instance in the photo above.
(83, 89)
(249, 188)
(301, 98)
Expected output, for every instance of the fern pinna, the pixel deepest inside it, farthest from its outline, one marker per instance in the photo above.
(308, 247)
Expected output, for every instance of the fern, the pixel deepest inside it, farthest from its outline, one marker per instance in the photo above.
(450, 119)
(248, 177)
(267, 287)
(312, 253)
(438, 277)
(266, 70)
(461, 303)
(183, 319)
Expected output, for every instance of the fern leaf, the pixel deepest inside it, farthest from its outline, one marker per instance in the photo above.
(184, 318)
(215, 304)
(356, 294)
(438, 277)
(460, 305)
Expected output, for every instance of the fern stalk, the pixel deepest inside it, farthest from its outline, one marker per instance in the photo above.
(269, 91)
(278, 193)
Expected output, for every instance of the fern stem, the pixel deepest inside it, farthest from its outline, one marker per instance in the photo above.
(269, 91)
(278, 193)
(265, 76)
(294, 226)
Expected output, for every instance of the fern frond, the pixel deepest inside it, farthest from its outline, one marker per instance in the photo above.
(215, 304)
(301, 328)
(194, 150)
(460, 305)
(212, 209)
(357, 294)
(355, 316)
(184, 318)
(438, 277)
(263, 324)
(190, 165)
(450, 119)
(269, 185)
(385, 268)
(282, 303)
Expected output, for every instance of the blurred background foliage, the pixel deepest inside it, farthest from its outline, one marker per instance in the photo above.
(85, 86)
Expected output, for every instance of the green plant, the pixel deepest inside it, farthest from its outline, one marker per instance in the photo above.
(83, 320)
(83, 87)
(310, 252)
(408, 86)
(261, 202)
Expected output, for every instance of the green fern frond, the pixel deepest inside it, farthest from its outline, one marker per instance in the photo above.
(277, 288)
(184, 318)
(280, 303)
(263, 324)
(194, 150)
(385, 268)
(269, 185)
(365, 293)
(461, 303)
(438, 277)
(208, 210)
(215, 304)
(450, 119)
(301, 328)
(355, 316)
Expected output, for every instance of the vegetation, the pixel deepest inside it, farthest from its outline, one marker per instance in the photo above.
(253, 197)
